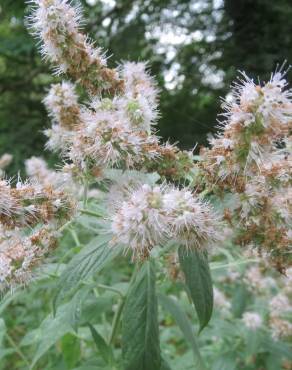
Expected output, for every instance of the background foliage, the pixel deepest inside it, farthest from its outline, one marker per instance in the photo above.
(194, 47)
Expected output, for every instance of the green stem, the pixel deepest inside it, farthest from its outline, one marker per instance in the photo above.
(85, 192)
(17, 350)
(90, 213)
(111, 289)
(62, 228)
(75, 237)
(222, 266)
(116, 320)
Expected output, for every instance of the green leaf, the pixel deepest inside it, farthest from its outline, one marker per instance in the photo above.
(184, 324)
(54, 327)
(164, 365)
(89, 261)
(198, 281)
(75, 313)
(226, 361)
(70, 346)
(277, 348)
(140, 333)
(104, 349)
(50, 331)
(2, 331)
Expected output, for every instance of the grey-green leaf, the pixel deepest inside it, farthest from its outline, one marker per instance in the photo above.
(198, 280)
(140, 333)
(89, 261)
(185, 326)
(164, 365)
(104, 349)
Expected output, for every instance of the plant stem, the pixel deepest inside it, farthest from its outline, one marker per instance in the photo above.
(90, 213)
(75, 237)
(237, 263)
(62, 228)
(109, 288)
(17, 350)
(116, 320)
(85, 192)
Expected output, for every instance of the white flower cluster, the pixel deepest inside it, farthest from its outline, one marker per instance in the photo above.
(19, 253)
(154, 215)
(280, 305)
(56, 24)
(30, 203)
(252, 159)
(252, 320)
(221, 301)
(38, 171)
(255, 118)
(30, 214)
(110, 131)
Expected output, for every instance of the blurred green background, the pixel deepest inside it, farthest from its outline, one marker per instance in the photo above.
(195, 49)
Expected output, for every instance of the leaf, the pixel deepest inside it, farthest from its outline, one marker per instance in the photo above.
(89, 261)
(140, 333)
(104, 349)
(164, 365)
(184, 324)
(54, 327)
(75, 313)
(50, 331)
(2, 331)
(277, 348)
(199, 282)
(226, 361)
(70, 346)
(94, 307)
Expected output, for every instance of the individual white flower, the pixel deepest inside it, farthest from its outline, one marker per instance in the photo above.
(252, 320)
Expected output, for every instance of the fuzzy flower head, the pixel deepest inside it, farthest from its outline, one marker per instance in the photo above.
(280, 304)
(31, 203)
(140, 222)
(106, 141)
(154, 215)
(38, 171)
(19, 254)
(252, 320)
(139, 103)
(256, 118)
(62, 104)
(56, 24)
(193, 222)
(221, 301)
